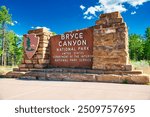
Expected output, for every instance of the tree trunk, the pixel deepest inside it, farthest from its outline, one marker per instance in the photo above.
(3, 34)
(4, 60)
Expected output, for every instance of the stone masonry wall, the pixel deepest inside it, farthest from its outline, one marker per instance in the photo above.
(110, 51)
(41, 57)
(110, 58)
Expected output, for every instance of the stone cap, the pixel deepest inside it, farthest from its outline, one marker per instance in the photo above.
(110, 19)
(40, 31)
(37, 30)
(111, 15)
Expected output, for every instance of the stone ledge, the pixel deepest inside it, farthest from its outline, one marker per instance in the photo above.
(14, 74)
(132, 79)
(110, 78)
(89, 71)
(64, 74)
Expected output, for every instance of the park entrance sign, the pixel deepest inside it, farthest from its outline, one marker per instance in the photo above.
(72, 49)
(98, 53)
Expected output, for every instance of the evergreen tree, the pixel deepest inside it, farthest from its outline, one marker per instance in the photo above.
(5, 18)
(14, 48)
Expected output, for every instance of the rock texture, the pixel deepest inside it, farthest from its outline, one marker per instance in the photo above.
(70, 74)
(110, 50)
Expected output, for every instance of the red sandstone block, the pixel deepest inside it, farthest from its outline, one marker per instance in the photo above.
(29, 65)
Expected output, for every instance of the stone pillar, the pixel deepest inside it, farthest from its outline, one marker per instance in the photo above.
(110, 50)
(41, 58)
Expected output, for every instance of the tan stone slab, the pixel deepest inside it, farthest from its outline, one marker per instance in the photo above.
(137, 79)
(44, 61)
(43, 45)
(23, 69)
(14, 74)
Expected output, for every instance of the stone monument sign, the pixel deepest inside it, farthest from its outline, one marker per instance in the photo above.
(98, 53)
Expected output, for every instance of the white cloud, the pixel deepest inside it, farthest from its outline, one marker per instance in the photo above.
(134, 12)
(93, 10)
(38, 27)
(107, 6)
(82, 7)
(16, 22)
(88, 17)
(13, 23)
(135, 3)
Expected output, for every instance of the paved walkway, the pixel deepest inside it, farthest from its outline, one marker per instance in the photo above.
(21, 89)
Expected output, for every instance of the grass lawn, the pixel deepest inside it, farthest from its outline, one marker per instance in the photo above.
(141, 65)
(4, 70)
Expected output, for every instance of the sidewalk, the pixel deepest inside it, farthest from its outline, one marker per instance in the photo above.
(11, 89)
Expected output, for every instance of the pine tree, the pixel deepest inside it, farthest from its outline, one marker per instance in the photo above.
(5, 18)
(14, 48)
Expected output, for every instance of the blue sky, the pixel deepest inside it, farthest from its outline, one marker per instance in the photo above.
(66, 15)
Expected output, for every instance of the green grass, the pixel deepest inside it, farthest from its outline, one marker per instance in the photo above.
(148, 83)
(141, 65)
(6, 69)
